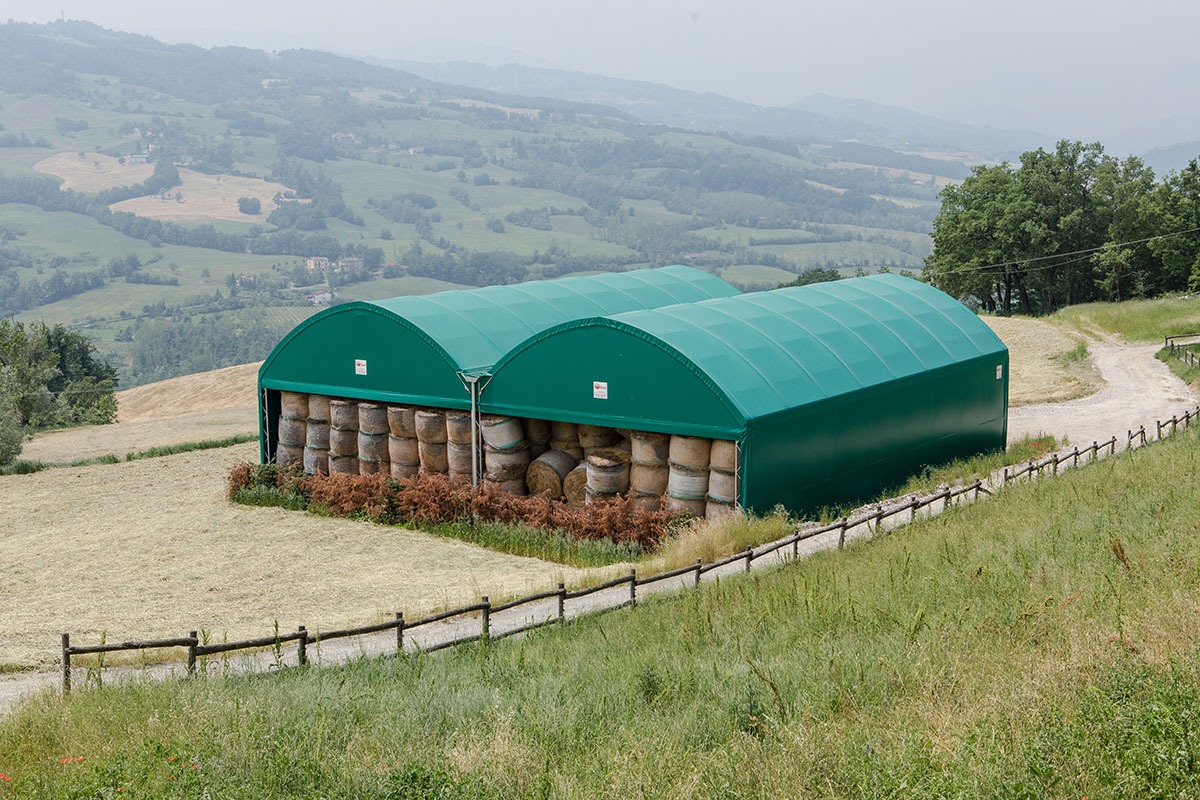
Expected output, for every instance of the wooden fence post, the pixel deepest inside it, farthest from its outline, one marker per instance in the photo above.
(1054, 466)
(302, 646)
(878, 518)
(699, 564)
(191, 655)
(749, 556)
(1075, 457)
(562, 601)
(842, 533)
(485, 622)
(399, 631)
(632, 586)
(66, 663)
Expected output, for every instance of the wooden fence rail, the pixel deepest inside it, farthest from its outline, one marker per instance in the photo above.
(872, 520)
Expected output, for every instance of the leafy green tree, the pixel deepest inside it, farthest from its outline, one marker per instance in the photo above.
(11, 434)
(249, 205)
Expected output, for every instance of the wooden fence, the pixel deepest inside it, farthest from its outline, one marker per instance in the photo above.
(873, 520)
(1182, 349)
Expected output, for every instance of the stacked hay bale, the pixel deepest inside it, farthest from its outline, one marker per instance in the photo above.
(722, 479)
(607, 470)
(505, 452)
(648, 473)
(373, 433)
(458, 446)
(293, 421)
(537, 433)
(575, 486)
(564, 436)
(404, 455)
(431, 440)
(687, 474)
(547, 473)
(316, 436)
(343, 436)
(594, 437)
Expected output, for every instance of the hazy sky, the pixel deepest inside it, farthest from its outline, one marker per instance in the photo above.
(1122, 73)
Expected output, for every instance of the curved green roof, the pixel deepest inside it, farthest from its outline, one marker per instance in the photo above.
(411, 349)
(748, 356)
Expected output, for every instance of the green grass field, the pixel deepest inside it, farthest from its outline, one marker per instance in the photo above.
(1136, 320)
(1042, 644)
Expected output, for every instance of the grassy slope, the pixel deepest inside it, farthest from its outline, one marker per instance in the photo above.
(1042, 644)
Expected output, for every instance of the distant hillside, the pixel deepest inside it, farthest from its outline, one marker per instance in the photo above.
(1171, 158)
(187, 206)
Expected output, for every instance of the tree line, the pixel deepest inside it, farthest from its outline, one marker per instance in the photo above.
(1074, 225)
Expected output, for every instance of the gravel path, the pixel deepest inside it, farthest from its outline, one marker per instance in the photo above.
(1139, 391)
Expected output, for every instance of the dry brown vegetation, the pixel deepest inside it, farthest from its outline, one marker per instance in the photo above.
(95, 172)
(1039, 371)
(206, 197)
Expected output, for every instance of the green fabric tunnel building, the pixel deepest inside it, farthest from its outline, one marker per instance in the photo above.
(422, 350)
(833, 391)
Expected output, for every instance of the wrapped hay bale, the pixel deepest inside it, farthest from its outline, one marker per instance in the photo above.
(723, 456)
(431, 426)
(292, 431)
(687, 484)
(502, 433)
(607, 471)
(690, 451)
(569, 447)
(405, 469)
(458, 460)
(343, 442)
(458, 428)
(574, 485)
(645, 502)
(506, 465)
(403, 451)
(591, 436)
(722, 486)
(537, 431)
(372, 419)
(343, 465)
(318, 408)
(316, 460)
(402, 421)
(649, 448)
(564, 431)
(343, 414)
(287, 455)
(434, 457)
(715, 509)
(373, 454)
(648, 478)
(547, 472)
(316, 434)
(681, 505)
(514, 486)
(293, 404)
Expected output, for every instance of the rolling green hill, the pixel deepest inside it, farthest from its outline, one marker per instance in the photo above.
(144, 181)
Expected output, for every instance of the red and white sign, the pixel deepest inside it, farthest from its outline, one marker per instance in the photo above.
(360, 366)
(600, 390)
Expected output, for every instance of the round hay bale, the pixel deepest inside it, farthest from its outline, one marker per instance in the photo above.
(591, 496)
(372, 418)
(458, 458)
(723, 455)
(343, 443)
(537, 431)
(608, 470)
(318, 408)
(343, 465)
(680, 505)
(402, 421)
(687, 484)
(501, 433)
(722, 486)
(690, 451)
(431, 426)
(547, 472)
(570, 447)
(343, 414)
(458, 427)
(574, 485)
(316, 460)
(595, 436)
(368, 466)
(293, 404)
(292, 431)
(515, 486)
(645, 502)
(433, 457)
(373, 447)
(316, 434)
(399, 470)
(647, 478)
(287, 455)
(715, 509)
(650, 448)
(536, 449)
(506, 465)
(564, 431)
(403, 451)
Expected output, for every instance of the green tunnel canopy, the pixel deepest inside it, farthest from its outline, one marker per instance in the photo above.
(880, 370)
(411, 349)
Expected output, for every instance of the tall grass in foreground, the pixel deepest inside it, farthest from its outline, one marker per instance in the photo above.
(1042, 644)
(1135, 320)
